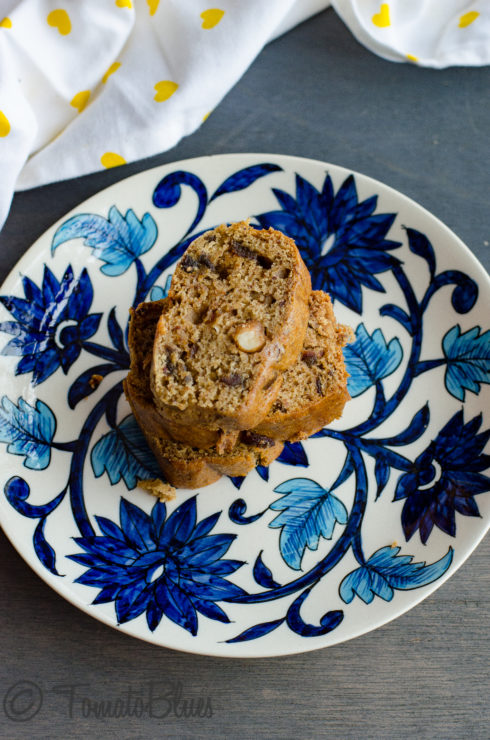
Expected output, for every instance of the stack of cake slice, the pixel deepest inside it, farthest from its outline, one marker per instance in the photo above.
(239, 358)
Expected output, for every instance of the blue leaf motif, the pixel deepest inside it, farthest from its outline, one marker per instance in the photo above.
(421, 246)
(117, 241)
(398, 314)
(243, 178)
(382, 474)
(263, 472)
(237, 480)
(263, 574)
(157, 292)
(43, 549)
(258, 630)
(308, 512)
(28, 431)
(115, 331)
(84, 385)
(386, 571)
(293, 454)
(168, 191)
(468, 360)
(123, 453)
(415, 429)
(370, 359)
(465, 293)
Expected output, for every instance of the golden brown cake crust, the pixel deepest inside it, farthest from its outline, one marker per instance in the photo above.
(230, 280)
(202, 471)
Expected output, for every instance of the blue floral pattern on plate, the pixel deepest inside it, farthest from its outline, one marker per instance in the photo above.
(403, 455)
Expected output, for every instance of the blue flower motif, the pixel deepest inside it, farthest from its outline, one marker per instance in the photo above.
(118, 240)
(341, 240)
(386, 571)
(158, 565)
(370, 358)
(445, 478)
(51, 323)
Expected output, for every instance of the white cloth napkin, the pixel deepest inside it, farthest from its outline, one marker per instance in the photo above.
(94, 84)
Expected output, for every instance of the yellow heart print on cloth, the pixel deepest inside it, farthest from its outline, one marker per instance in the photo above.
(4, 125)
(467, 18)
(430, 33)
(382, 19)
(113, 81)
(153, 6)
(80, 100)
(211, 17)
(164, 90)
(111, 159)
(60, 19)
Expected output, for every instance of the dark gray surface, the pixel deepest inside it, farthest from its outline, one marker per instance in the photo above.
(315, 93)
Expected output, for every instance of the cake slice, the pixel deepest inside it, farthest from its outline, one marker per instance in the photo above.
(190, 467)
(142, 328)
(234, 321)
(183, 466)
(314, 391)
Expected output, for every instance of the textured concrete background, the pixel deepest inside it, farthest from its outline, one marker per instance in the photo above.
(316, 93)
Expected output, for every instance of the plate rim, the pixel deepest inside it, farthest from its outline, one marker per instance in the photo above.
(66, 593)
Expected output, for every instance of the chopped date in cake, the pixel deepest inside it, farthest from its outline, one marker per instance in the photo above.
(196, 263)
(279, 406)
(233, 380)
(311, 356)
(256, 440)
(242, 251)
(319, 386)
(169, 367)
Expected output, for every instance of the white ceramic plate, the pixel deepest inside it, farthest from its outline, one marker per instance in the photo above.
(340, 535)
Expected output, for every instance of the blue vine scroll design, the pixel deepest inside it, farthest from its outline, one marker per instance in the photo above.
(173, 565)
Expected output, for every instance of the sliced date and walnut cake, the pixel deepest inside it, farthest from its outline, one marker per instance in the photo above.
(235, 319)
(211, 348)
(183, 465)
